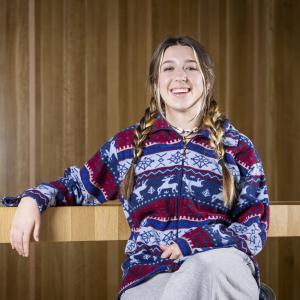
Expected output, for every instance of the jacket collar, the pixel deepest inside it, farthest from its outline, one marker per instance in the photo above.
(230, 138)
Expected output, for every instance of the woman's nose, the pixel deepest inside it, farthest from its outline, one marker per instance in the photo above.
(180, 75)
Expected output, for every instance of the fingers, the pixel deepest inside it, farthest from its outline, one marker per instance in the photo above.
(171, 252)
(166, 251)
(26, 240)
(11, 239)
(26, 221)
(36, 231)
(17, 241)
(174, 255)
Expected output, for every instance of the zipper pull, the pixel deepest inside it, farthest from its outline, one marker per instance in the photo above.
(184, 146)
(184, 141)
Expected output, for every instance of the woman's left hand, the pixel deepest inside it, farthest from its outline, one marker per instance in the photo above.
(172, 252)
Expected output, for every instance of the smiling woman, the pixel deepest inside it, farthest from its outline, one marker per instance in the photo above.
(192, 188)
(181, 85)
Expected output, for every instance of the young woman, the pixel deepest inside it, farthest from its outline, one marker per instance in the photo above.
(191, 185)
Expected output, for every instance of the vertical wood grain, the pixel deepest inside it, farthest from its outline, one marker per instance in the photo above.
(14, 133)
(73, 105)
(32, 125)
(113, 112)
(50, 89)
(97, 99)
(286, 45)
(32, 92)
(165, 19)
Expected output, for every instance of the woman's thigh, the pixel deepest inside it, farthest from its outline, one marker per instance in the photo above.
(224, 273)
(151, 289)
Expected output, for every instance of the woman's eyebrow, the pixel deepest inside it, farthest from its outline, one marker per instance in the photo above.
(168, 61)
(190, 60)
(172, 61)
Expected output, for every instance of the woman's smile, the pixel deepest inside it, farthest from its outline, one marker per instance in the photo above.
(180, 92)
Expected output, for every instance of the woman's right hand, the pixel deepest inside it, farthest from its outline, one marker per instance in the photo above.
(26, 219)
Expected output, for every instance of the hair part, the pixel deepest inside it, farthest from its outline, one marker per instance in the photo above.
(211, 118)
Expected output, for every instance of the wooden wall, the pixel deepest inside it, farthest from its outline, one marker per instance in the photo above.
(73, 72)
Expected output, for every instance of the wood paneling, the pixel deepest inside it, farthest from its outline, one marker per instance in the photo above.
(14, 108)
(73, 73)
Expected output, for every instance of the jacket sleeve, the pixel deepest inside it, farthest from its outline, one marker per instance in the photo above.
(249, 216)
(94, 183)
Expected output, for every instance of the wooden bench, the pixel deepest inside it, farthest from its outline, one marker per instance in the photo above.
(107, 222)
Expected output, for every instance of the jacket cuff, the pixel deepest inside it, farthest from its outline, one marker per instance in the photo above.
(41, 200)
(10, 201)
(184, 246)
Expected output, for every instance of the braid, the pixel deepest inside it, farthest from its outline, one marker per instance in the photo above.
(213, 120)
(140, 136)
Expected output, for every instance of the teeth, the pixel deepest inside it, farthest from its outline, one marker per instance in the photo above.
(182, 90)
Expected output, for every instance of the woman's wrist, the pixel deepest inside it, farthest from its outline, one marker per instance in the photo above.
(28, 200)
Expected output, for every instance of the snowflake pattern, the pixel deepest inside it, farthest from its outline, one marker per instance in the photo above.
(200, 161)
(145, 163)
(130, 246)
(252, 232)
(176, 158)
(146, 236)
(169, 237)
(122, 170)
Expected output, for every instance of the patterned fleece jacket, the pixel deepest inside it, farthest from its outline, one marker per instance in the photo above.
(177, 196)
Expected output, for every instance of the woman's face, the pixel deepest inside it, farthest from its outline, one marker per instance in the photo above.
(180, 81)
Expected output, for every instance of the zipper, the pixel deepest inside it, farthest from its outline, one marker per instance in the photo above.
(180, 183)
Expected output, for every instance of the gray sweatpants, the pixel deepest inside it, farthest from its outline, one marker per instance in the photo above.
(223, 274)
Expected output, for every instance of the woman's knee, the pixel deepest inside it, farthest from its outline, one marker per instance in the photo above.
(149, 289)
(216, 262)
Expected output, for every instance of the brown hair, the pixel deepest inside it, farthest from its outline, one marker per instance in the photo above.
(212, 118)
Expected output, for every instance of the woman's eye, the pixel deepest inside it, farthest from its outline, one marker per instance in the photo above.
(168, 69)
(191, 68)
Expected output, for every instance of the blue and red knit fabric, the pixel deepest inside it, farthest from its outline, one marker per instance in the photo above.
(177, 196)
